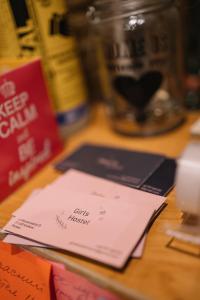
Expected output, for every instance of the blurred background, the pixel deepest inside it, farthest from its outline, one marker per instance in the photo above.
(104, 52)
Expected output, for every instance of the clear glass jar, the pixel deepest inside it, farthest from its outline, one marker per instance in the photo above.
(80, 14)
(143, 53)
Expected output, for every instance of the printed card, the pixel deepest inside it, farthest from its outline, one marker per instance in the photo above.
(129, 168)
(162, 180)
(28, 130)
(102, 229)
(90, 185)
(54, 204)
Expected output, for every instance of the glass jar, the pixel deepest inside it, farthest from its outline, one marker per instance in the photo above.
(80, 14)
(142, 45)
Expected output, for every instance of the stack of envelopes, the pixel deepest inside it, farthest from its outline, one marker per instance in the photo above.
(100, 208)
(89, 215)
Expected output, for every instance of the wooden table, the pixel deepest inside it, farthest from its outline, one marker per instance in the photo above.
(162, 272)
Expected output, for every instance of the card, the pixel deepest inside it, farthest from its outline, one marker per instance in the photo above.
(124, 213)
(73, 286)
(74, 180)
(14, 239)
(23, 275)
(129, 168)
(29, 135)
(79, 226)
(162, 180)
(91, 185)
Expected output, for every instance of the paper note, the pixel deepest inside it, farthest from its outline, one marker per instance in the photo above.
(90, 185)
(93, 185)
(100, 228)
(14, 239)
(23, 276)
(72, 286)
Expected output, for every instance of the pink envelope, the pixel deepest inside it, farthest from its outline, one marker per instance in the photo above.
(102, 229)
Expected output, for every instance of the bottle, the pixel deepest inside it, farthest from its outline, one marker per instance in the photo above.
(39, 29)
(61, 63)
(142, 46)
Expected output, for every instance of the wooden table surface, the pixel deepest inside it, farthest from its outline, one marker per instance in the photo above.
(163, 273)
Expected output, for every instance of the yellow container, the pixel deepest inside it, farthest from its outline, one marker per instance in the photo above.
(39, 28)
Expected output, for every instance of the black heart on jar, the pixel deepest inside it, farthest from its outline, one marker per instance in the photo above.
(138, 92)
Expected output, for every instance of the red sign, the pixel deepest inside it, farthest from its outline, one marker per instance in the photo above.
(28, 130)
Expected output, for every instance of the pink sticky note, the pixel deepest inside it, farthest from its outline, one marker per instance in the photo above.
(72, 286)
